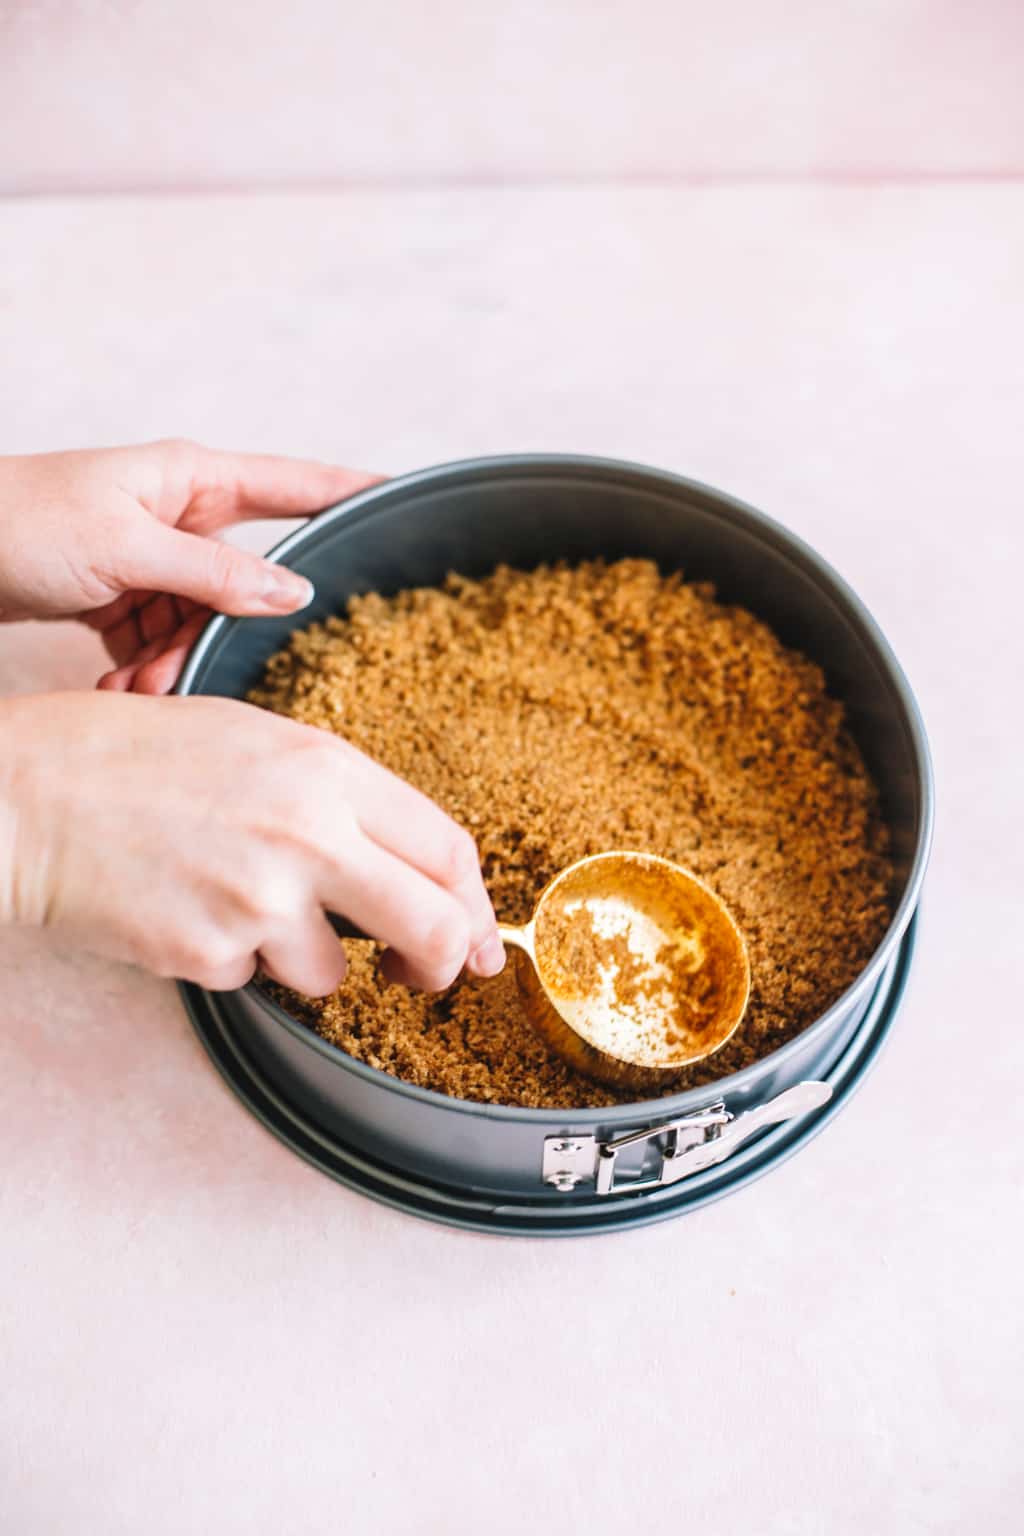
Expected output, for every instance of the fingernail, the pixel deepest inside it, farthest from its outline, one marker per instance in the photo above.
(489, 959)
(285, 591)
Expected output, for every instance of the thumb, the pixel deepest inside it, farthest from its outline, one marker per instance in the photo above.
(217, 575)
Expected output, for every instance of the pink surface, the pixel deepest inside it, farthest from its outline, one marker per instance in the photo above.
(139, 95)
(197, 1332)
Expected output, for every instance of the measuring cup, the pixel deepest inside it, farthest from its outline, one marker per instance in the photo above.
(631, 968)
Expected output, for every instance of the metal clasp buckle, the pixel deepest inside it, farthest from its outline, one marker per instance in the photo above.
(569, 1160)
(695, 1142)
(684, 1134)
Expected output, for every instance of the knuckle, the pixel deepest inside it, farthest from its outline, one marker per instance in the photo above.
(221, 569)
(166, 963)
(320, 980)
(326, 748)
(210, 959)
(322, 761)
(275, 907)
(321, 832)
(268, 896)
(179, 450)
(462, 861)
(295, 818)
(307, 764)
(445, 943)
(231, 977)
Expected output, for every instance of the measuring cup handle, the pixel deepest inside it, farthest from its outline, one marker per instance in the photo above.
(522, 938)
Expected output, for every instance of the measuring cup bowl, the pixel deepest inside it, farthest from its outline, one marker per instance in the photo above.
(624, 1044)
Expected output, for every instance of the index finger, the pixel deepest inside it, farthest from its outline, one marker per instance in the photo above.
(407, 823)
(228, 487)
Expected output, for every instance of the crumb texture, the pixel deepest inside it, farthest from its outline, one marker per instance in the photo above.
(566, 711)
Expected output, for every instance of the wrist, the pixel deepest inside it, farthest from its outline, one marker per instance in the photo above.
(8, 811)
(23, 897)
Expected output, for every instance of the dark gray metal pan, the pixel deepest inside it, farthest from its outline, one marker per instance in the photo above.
(524, 510)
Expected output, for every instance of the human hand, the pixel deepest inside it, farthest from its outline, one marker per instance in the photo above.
(198, 837)
(120, 538)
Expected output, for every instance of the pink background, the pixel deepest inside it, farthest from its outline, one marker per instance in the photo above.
(133, 95)
(200, 1334)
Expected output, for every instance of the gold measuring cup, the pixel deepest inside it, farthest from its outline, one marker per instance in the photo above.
(631, 968)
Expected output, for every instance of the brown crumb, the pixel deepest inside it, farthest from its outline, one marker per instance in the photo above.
(566, 711)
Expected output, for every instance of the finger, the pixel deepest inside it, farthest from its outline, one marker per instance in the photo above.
(213, 574)
(309, 958)
(228, 978)
(159, 617)
(155, 667)
(408, 824)
(125, 629)
(228, 487)
(392, 902)
(157, 674)
(118, 680)
(113, 614)
(124, 639)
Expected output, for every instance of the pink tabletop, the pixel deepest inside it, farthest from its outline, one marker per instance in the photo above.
(200, 1333)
